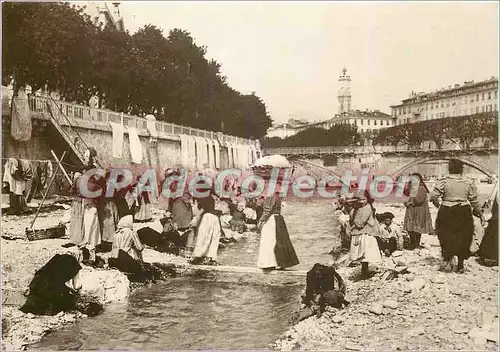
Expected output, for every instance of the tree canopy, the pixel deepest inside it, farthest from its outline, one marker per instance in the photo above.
(461, 129)
(58, 47)
(337, 135)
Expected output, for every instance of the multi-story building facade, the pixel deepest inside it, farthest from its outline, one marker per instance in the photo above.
(366, 121)
(458, 100)
(285, 130)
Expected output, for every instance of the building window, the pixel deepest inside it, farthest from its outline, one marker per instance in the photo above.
(482, 96)
(496, 94)
(375, 122)
(368, 122)
(489, 95)
(477, 97)
(404, 110)
(361, 121)
(495, 107)
(409, 109)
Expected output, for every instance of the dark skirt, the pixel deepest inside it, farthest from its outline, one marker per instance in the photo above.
(284, 252)
(455, 228)
(489, 245)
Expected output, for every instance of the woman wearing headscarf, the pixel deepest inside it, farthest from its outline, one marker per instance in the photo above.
(364, 232)
(143, 211)
(454, 223)
(417, 216)
(275, 250)
(109, 214)
(208, 233)
(76, 229)
(91, 222)
(127, 240)
(48, 293)
(179, 207)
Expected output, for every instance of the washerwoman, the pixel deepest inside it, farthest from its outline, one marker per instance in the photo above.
(276, 250)
(454, 223)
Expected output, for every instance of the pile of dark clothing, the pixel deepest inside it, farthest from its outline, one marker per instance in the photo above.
(138, 271)
(324, 287)
(49, 295)
(168, 241)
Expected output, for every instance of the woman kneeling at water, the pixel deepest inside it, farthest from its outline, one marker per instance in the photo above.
(127, 240)
(276, 249)
(208, 233)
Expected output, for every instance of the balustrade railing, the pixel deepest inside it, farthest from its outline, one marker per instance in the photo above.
(80, 112)
(359, 149)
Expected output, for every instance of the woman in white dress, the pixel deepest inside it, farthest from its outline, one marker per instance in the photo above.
(208, 233)
(276, 250)
(364, 229)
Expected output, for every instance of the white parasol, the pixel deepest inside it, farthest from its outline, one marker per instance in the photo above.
(275, 160)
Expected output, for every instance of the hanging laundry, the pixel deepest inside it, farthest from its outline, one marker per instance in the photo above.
(151, 125)
(21, 119)
(254, 153)
(217, 153)
(201, 153)
(184, 150)
(192, 153)
(15, 178)
(236, 155)
(135, 145)
(117, 129)
(211, 154)
(250, 154)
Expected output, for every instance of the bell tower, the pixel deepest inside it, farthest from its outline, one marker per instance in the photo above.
(344, 96)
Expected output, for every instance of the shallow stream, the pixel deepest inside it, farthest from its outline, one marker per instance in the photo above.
(226, 310)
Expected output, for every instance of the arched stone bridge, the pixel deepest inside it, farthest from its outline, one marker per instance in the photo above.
(320, 152)
(392, 160)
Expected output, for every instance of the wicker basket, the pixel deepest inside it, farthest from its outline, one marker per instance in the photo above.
(44, 234)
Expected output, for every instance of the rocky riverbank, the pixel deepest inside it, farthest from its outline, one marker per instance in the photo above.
(22, 258)
(423, 309)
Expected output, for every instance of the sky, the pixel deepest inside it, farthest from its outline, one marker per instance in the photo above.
(292, 53)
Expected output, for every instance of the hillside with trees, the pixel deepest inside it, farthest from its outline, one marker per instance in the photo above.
(462, 130)
(57, 47)
(337, 135)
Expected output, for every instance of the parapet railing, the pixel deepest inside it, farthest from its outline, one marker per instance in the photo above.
(359, 149)
(80, 112)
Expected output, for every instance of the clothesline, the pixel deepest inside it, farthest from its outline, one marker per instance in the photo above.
(52, 161)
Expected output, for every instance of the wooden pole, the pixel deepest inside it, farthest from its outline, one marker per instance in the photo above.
(46, 193)
(62, 167)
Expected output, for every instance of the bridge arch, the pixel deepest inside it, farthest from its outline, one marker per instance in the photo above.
(473, 164)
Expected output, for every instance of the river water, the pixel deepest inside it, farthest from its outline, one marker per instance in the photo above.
(226, 310)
